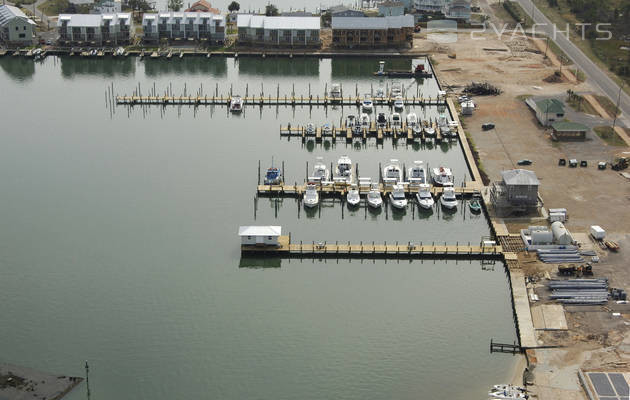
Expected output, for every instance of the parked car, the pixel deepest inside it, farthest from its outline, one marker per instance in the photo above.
(487, 126)
(524, 162)
(49, 42)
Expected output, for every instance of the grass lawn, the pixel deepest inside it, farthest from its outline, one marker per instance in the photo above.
(608, 105)
(578, 103)
(53, 7)
(609, 136)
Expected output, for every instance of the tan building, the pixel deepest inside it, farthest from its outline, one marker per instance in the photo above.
(392, 31)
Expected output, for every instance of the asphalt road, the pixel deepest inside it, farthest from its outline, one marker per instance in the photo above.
(595, 75)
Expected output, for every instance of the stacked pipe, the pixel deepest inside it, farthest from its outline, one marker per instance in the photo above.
(559, 256)
(579, 291)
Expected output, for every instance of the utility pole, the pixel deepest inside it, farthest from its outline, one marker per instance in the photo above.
(617, 108)
(547, 47)
(87, 379)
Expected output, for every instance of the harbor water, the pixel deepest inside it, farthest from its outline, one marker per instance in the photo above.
(118, 243)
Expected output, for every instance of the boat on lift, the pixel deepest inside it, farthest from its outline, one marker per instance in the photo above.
(412, 120)
(442, 176)
(381, 121)
(396, 120)
(326, 129)
(396, 90)
(311, 196)
(424, 197)
(399, 104)
(364, 121)
(310, 129)
(236, 104)
(417, 174)
(367, 105)
(353, 197)
(374, 198)
(397, 197)
(392, 173)
(429, 130)
(273, 176)
(448, 198)
(343, 171)
(380, 93)
(351, 121)
(335, 92)
(320, 172)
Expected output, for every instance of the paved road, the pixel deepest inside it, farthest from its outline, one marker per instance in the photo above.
(595, 75)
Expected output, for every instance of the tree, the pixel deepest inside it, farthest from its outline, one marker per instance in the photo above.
(326, 19)
(139, 5)
(234, 6)
(271, 10)
(175, 5)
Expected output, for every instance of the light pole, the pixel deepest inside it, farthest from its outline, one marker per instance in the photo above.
(617, 107)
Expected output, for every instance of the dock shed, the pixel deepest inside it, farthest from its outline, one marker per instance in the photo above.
(260, 235)
(565, 130)
(516, 192)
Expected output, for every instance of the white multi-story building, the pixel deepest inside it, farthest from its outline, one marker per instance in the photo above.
(452, 9)
(94, 29)
(278, 31)
(184, 26)
(15, 26)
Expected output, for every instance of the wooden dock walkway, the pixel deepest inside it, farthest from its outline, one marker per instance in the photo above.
(379, 132)
(340, 189)
(269, 100)
(524, 324)
(394, 250)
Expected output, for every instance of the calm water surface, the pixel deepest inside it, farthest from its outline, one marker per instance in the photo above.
(118, 245)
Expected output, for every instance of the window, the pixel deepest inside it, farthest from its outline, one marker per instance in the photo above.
(22, 35)
(16, 28)
(24, 27)
(269, 238)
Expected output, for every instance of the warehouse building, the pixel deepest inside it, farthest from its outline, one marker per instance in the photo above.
(260, 30)
(93, 29)
(15, 27)
(377, 32)
(179, 26)
(547, 111)
(569, 131)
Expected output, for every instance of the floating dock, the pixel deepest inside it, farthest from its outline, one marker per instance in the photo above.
(340, 189)
(372, 131)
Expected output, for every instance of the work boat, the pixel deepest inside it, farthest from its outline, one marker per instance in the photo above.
(396, 120)
(344, 169)
(397, 197)
(392, 173)
(364, 121)
(350, 121)
(424, 197)
(442, 176)
(367, 105)
(353, 197)
(273, 176)
(374, 199)
(320, 172)
(417, 174)
(429, 130)
(412, 120)
(381, 121)
(311, 196)
(236, 104)
(448, 199)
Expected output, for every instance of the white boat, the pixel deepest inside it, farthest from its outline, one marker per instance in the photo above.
(417, 130)
(320, 172)
(397, 197)
(442, 176)
(236, 104)
(326, 129)
(445, 127)
(417, 174)
(508, 387)
(374, 199)
(392, 173)
(351, 121)
(364, 121)
(398, 103)
(344, 169)
(120, 51)
(396, 120)
(429, 130)
(448, 198)
(310, 129)
(367, 105)
(507, 394)
(353, 197)
(380, 93)
(412, 120)
(335, 91)
(396, 90)
(424, 197)
(311, 196)
(381, 120)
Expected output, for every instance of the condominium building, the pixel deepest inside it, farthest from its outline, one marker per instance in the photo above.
(200, 26)
(95, 29)
(278, 31)
(374, 32)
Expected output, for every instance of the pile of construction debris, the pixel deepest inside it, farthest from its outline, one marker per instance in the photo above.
(482, 89)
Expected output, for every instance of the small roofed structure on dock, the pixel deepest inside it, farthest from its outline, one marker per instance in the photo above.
(260, 235)
(516, 193)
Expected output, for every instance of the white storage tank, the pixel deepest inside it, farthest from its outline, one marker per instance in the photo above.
(542, 237)
(560, 234)
(597, 232)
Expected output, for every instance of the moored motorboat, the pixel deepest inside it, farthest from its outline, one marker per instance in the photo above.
(417, 174)
(509, 393)
(353, 197)
(381, 121)
(392, 173)
(374, 198)
(236, 104)
(475, 205)
(351, 121)
(335, 91)
(273, 176)
(442, 176)
(424, 197)
(364, 121)
(396, 120)
(311, 196)
(343, 170)
(448, 198)
(367, 105)
(412, 120)
(320, 172)
(399, 104)
(429, 130)
(326, 129)
(310, 129)
(397, 197)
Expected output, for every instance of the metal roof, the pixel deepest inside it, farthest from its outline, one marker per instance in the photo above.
(91, 20)
(264, 22)
(7, 13)
(260, 230)
(390, 22)
(520, 177)
(568, 126)
(553, 106)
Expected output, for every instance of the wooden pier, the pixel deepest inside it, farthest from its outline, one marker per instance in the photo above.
(340, 189)
(373, 131)
(269, 100)
(383, 250)
(512, 348)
